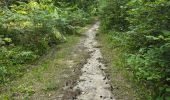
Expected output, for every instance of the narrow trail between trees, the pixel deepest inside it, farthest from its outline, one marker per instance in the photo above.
(93, 82)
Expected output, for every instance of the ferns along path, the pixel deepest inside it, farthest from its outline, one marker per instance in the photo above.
(84, 50)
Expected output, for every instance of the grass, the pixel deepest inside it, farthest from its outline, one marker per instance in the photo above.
(44, 80)
(124, 87)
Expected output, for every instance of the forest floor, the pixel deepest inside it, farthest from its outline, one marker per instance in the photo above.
(74, 70)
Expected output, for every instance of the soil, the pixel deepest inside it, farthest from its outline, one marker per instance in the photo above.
(92, 83)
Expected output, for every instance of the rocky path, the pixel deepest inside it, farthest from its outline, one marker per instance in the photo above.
(93, 82)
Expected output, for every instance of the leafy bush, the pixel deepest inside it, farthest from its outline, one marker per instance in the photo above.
(142, 29)
(117, 14)
(11, 60)
(29, 28)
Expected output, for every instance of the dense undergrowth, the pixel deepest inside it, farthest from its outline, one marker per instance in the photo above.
(140, 29)
(29, 28)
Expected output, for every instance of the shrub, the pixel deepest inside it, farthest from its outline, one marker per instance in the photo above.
(28, 29)
(142, 30)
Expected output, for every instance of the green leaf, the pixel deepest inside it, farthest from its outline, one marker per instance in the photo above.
(152, 38)
(167, 89)
(8, 40)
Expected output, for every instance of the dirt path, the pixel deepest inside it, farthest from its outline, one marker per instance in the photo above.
(72, 71)
(93, 82)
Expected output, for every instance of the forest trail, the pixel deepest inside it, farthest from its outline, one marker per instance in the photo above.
(93, 83)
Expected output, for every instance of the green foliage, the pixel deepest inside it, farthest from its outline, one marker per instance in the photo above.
(23, 89)
(142, 30)
(50, 86)
(11, 60)
(117, 13)
(29, 28)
